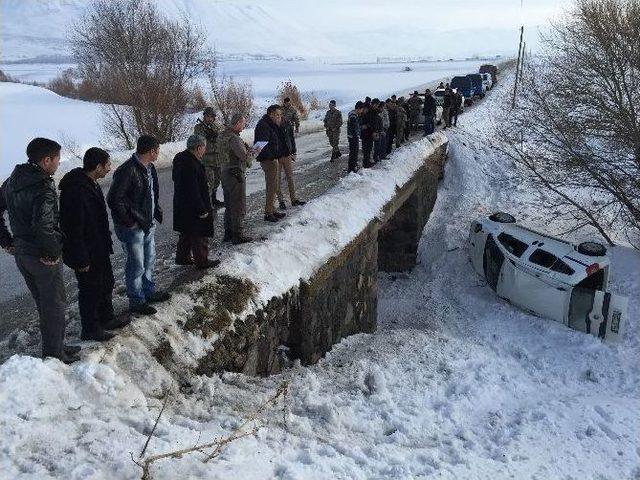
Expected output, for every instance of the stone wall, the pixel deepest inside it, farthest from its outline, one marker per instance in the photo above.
(341, 297)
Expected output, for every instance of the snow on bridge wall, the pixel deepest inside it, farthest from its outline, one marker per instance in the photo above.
(296, 294)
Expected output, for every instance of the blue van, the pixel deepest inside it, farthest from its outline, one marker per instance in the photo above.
(465, 86)
(478, 85)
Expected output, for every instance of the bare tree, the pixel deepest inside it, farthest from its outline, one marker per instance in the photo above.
(576, 130)
(142, 63)
(289, 90)
(231, 96)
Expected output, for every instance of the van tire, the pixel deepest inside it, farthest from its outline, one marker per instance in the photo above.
(592, 249)
(502, 217)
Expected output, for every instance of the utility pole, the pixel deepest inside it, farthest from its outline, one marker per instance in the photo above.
(518, 65)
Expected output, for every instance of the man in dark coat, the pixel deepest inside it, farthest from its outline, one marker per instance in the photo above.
(367, 130)
(456, 98)
(353, 136)
(134, 202)
(30, 198)
(429, 112)
(447, 104)
(267, 131)
(192, 211)
(87, 243)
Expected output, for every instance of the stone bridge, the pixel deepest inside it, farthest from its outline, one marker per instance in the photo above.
(340, 298)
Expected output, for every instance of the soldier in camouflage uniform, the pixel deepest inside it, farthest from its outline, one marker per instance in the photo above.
(332, 124)
(208, 129)
(401, 121)
(415, 104)
(290, 114)
(234, 157)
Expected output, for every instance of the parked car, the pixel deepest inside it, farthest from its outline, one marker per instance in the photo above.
(548, 276)
(486, 80)
(465, 86)
(478, 86)
(492, 69)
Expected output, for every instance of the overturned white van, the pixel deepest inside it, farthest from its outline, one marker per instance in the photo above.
(548, 276)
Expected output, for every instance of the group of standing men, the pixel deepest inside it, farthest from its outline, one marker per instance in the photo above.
(75, 229)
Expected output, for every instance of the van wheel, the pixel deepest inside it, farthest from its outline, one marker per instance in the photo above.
(502, 217)
(592, 249)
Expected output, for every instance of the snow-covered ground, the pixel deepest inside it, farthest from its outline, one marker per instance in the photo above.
(27, 111)
(455, 384)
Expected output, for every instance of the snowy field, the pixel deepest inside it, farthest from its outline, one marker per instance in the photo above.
(27, 111)
(455, 384)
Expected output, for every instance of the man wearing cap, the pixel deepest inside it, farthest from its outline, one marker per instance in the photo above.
(332, 124)
(207, 128)
(415, 102)
(235, 157)
(192, 212)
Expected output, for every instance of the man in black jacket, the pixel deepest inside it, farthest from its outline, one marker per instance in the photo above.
(429, 112)
(267, 131)
(87, 243)
(192, 211)
(367, 126)
(30, 198)
(133, 200)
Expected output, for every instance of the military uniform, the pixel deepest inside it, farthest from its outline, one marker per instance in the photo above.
(401, 123)
(290, 114)
(332, 124)
(210, 159)
(234, 158)
(414, 103)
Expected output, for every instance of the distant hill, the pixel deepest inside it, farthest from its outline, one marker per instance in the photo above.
(284, 28)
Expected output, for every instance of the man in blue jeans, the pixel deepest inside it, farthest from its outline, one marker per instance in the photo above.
(133, 200)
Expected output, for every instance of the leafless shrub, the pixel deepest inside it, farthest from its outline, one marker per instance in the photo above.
(314, 103)
(141, 62)
(231, 96)
(575, 133)
(64, 84)
(289, 90)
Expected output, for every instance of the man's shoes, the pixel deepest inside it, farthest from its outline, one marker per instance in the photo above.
(99, 336)
(298, 203)
(282, 205)
(271, 217)
(217, 203)
(71, 349)
(208, 264)
(65, 358)
(158, 297)
(143, 309)
(115, 324)
(279, 215)
(240, 239)
(186, 261)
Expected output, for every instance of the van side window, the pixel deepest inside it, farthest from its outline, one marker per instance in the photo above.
(562, 267)
(543, 258)
(512, 244)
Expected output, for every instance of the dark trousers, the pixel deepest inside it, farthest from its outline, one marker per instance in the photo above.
(391, 134)
(47, 289)
(95, 290)
(354, 146)
(192, 245)
(380, 147)
(429, 127)
(235, 200)
(454, 116)
(367, 146)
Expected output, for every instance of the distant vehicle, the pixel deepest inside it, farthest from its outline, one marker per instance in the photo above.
(492, 69)
(486, 80)
(465, 86)
(478, 86)
(548, 276)
(407, 69)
